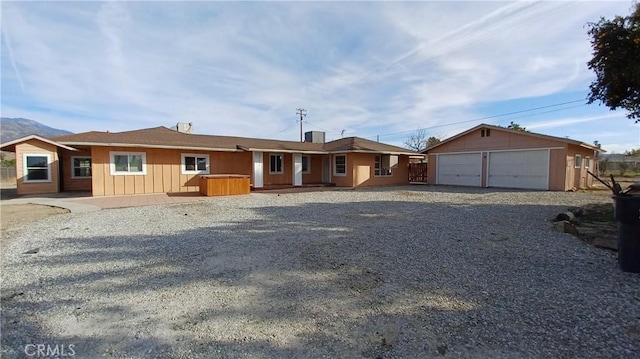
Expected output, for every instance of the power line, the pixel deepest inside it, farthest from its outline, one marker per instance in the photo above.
(302, 112)
(490, 117)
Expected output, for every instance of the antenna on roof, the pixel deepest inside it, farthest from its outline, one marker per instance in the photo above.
(342, 133)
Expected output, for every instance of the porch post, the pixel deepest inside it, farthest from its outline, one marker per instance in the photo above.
(297, 169)
(258, 170)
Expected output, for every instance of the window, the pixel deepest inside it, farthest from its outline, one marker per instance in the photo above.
(80, 167)
(587, 162)
(384, 165)
(195, 164)
(306, 164)
(340, 165)
(578, 161)
(275, 164)
(128, 163)
(37, 168)
(485, 132)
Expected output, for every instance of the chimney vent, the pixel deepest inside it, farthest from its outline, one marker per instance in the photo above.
(184, 127)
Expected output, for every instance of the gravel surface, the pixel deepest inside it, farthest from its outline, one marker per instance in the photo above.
(403, 272)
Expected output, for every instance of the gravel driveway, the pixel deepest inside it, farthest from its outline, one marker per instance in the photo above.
(403, 272)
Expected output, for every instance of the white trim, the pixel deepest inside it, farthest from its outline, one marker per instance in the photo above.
(196, 171)
(380, 169)
(24, 167)
(507, 150)
(36, 137)
(335, 166)
(73, 172)
(297, 169)
(112, 165)
(258, 170)
(281, 164)
(574, 160)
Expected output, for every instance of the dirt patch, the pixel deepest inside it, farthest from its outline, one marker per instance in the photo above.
(598, 227)
(14, 215)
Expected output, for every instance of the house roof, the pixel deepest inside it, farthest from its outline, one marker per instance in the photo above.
(519, 132)
(162, 137)
(11, 145)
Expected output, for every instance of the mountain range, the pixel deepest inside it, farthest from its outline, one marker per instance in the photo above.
(14, 128)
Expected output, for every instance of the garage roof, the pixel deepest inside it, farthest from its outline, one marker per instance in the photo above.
(533, 134)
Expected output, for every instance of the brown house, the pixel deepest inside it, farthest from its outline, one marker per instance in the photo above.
(492, 156)
(162, 160)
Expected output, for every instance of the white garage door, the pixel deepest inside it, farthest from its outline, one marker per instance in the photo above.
(519, 169)
(463, 169)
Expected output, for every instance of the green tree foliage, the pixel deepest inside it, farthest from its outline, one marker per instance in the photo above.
(616, 63)
(433, 140)
(7, 163)
(633, 153)
(515, 126)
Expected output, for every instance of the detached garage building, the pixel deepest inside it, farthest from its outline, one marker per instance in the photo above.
(492, 156)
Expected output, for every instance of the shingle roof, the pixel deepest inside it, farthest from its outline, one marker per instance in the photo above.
(162, 137)
(539, 135)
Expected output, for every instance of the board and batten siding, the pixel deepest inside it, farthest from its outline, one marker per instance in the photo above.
(37, 147)
(69, 183)
(164, 174)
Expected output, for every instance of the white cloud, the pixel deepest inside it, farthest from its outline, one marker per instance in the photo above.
(242, 69)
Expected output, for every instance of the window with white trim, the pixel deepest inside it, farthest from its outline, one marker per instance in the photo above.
(128, 163)
(587, 162)
(275, 164)
(577, 161)
(340, 165)
(306, 164)
(195, 164)
(384, 165)
(37, 168)
(80, 167)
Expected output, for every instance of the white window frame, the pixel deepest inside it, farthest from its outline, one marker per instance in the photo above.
(183, 168)
(281, 164)
(335, 166)
(587, 162)
(308, 164)
(112, 163)
(25, 169)
(377, 166)
(575, 161)
(73, 167)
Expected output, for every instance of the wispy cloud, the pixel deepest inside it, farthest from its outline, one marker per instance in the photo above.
(243, 68)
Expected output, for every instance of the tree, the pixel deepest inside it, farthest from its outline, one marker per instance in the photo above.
(633, 153)
(515, 126)
(433, 140)
(616, 59)
(417, 141)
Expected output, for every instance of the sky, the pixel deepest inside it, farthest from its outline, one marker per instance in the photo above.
(378, 70)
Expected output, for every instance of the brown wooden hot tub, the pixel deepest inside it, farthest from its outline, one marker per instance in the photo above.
(224, 185)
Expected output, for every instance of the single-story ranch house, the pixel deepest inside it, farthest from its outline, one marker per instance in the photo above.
(163, 160)
(492, 156)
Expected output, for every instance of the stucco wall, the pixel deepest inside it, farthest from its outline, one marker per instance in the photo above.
(37, 147)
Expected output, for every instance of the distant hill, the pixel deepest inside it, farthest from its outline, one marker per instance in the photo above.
(14, 128)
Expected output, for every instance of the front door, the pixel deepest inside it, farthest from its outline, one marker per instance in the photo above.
(326, 170)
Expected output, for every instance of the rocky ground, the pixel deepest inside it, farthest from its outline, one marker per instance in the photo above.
(403, 272)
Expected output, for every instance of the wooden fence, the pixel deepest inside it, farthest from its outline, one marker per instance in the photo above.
(417, 172)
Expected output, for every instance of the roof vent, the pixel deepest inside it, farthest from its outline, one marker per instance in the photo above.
(314, 136)
(184, 127)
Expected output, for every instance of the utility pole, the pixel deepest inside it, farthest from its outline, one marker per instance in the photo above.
(302, 112)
